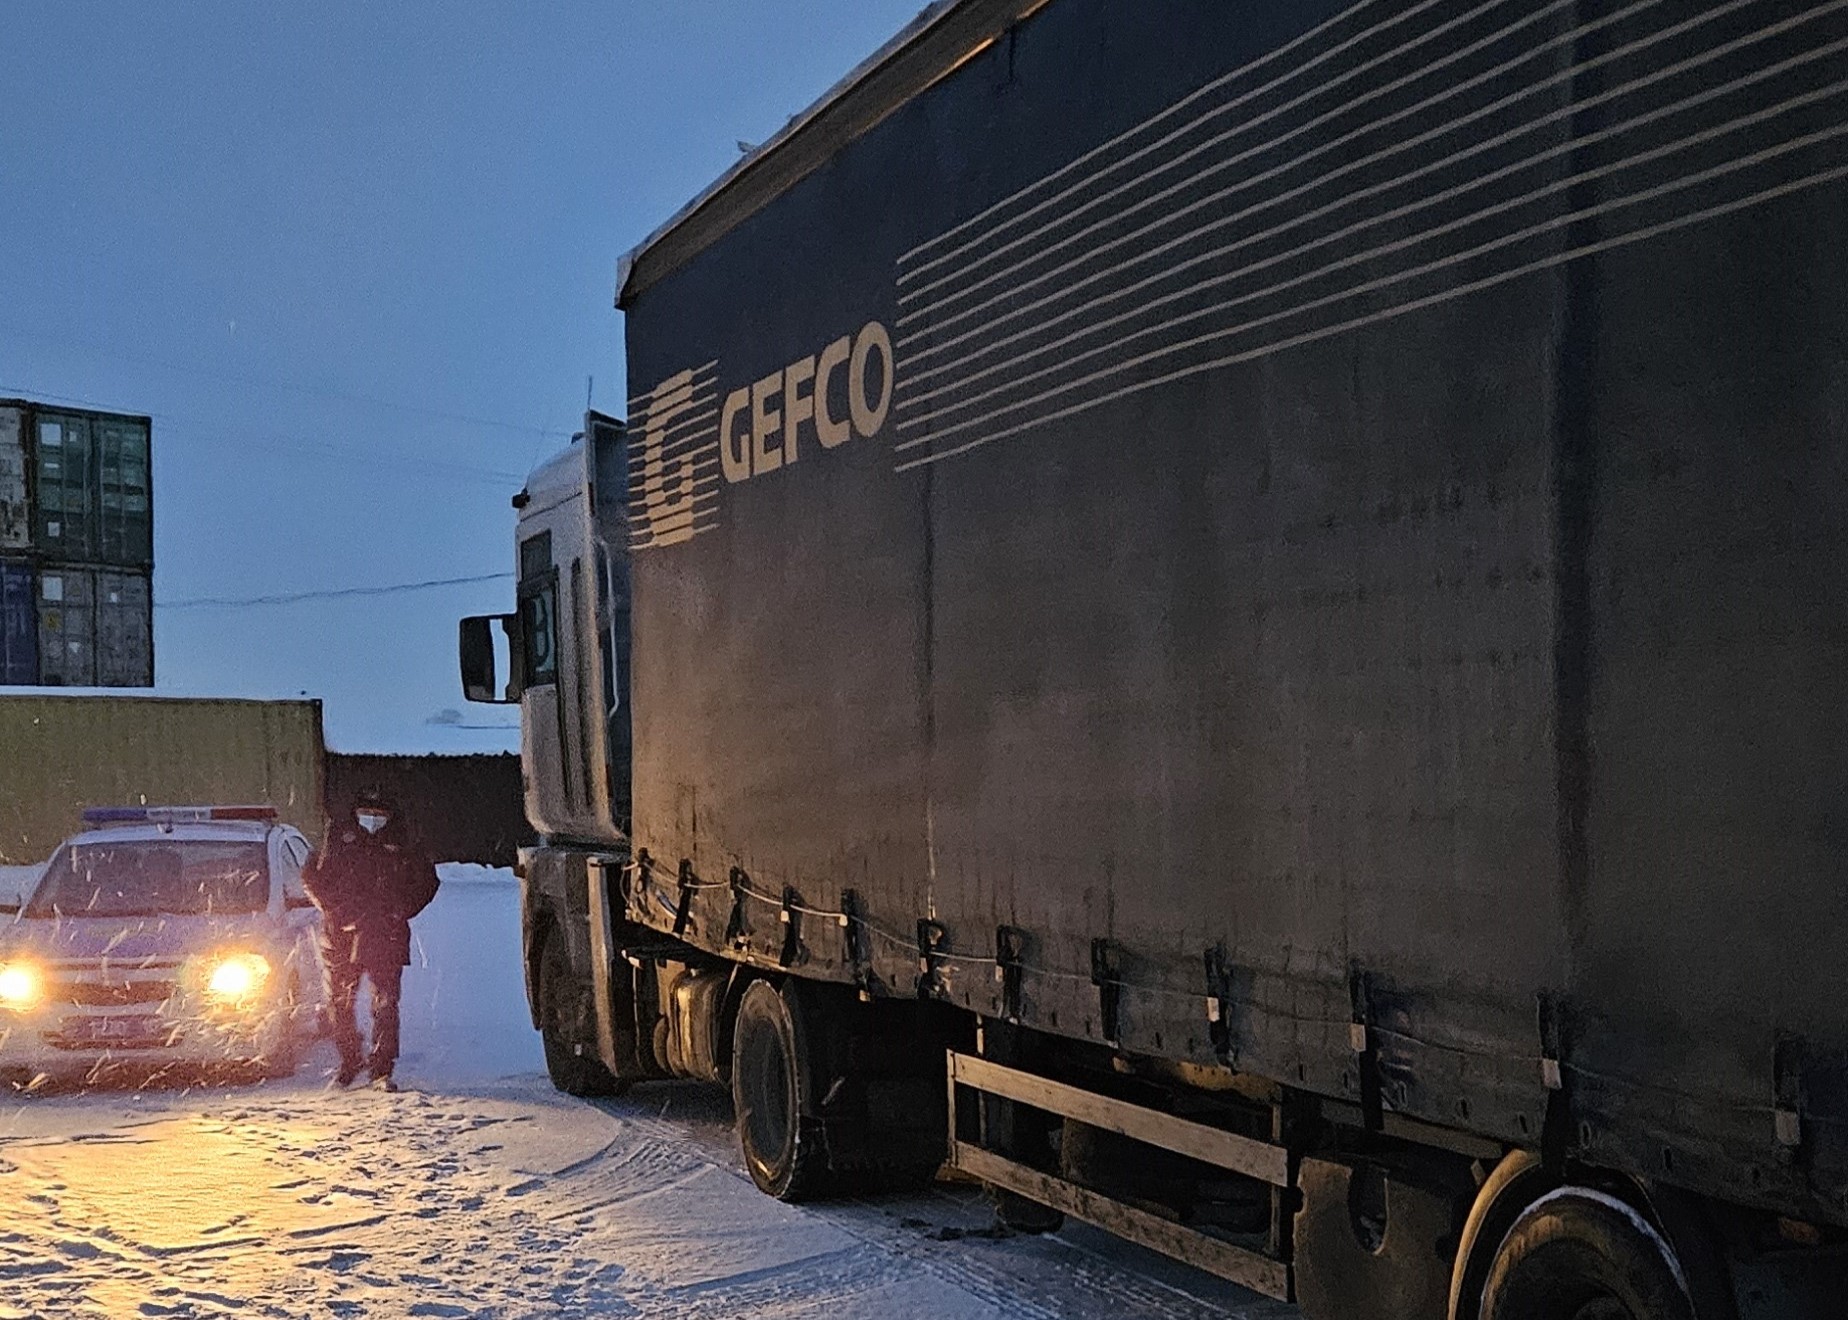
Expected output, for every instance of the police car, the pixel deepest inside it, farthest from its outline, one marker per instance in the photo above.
(163, 939)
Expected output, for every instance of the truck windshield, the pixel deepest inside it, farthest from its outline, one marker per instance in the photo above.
(146, 879)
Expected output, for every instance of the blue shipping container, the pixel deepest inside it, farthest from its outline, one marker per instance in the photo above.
(18, 626)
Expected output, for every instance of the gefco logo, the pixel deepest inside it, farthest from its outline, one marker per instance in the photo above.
(824, 399)
(764, 426)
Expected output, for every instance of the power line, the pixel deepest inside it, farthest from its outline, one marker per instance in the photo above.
(293, 597)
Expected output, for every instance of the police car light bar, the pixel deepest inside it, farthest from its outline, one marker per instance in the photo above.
(173, 815)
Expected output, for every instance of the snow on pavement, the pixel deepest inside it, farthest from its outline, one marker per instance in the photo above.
(478, 1191)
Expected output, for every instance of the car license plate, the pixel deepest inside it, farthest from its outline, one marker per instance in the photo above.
(112, 1030)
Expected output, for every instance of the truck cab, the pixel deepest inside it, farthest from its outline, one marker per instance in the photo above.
(567, 644)
(562, 656)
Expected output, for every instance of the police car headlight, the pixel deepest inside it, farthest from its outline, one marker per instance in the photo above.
(21, 985)
(236, 975)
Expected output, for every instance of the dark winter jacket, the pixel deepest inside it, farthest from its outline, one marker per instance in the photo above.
(368, 887)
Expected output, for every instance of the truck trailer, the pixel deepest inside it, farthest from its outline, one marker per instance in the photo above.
(1231, 620)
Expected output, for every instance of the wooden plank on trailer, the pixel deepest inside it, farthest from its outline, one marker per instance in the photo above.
(1225, 1150)
(1248, 1269)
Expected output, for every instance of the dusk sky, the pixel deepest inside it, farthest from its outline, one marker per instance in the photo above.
(358, 261)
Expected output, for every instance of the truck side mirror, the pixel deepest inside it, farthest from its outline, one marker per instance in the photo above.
(475, 644)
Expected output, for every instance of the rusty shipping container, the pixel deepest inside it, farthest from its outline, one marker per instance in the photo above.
(76, 510)
(63, 522)
(124, 628)
(120, 463)
(19, 658)
(92, 493)
(15, 514)
(60, 754)
(95, 627)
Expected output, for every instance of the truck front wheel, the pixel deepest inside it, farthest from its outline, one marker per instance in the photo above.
(1579, 1254)
(564, 1018)
(772, 1086)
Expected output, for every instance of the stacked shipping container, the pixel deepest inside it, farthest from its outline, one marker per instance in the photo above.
(18, 622)
(18, 625)
(76, 547)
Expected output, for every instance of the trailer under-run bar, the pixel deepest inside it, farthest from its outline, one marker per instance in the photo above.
(1242, 1155)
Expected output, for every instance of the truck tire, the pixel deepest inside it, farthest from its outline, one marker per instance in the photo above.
(773, 1091)
(564, 1013)
(1579, 1254)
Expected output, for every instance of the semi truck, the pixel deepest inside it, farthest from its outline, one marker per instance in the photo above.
(1230, 619)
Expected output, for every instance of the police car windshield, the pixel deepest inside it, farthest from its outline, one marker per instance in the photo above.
(153, 878)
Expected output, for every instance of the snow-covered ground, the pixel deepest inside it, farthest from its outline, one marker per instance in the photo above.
(478, 1191)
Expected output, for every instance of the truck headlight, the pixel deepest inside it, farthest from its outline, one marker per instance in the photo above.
(236, 975)
(21, 986)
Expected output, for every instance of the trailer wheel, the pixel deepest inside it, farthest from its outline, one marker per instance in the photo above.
(564, 1013)
(1579, 1254)
(773, 1085)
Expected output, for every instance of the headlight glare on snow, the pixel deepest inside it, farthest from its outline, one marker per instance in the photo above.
(21, 986)
(236, 975)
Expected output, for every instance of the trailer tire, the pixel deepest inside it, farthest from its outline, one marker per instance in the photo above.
(561, 1028)
(773, 1094)
(1579, 1254)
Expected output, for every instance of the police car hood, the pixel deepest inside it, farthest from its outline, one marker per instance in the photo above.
(132, 940)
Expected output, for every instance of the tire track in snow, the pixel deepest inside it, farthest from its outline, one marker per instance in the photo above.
(1005, 1276)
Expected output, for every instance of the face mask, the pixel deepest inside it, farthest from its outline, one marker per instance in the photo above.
(372, 821)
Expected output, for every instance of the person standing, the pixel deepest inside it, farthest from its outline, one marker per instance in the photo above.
(369, 881)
